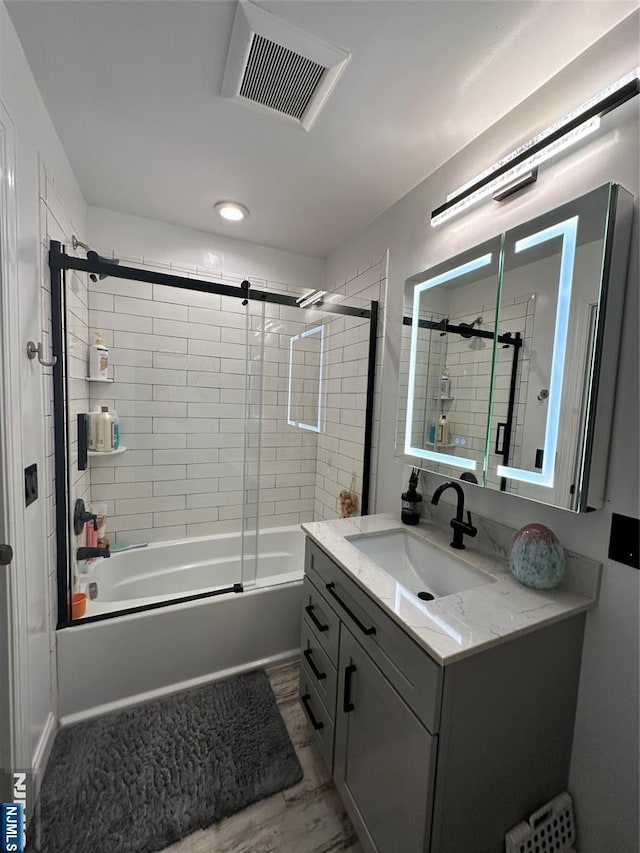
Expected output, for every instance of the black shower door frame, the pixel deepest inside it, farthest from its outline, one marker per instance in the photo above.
(59, 263)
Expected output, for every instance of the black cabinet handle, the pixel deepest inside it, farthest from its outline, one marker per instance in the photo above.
(310, 608)
(317, 724)
(347, 704)
(314, 669)
(331, 590)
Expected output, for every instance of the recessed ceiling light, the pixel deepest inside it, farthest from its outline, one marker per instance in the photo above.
(231, 210)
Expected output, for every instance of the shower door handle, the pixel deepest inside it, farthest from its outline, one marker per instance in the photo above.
(499, 451)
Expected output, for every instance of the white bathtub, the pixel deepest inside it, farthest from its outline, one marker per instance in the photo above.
(114, 662)
(167, 570)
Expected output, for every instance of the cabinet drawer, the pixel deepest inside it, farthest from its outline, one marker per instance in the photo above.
(416, 677)
(319, 669)
(323, 621)
(319, 718)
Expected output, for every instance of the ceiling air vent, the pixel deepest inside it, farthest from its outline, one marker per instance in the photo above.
(275, 67)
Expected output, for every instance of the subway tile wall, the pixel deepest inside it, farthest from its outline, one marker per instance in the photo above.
(468, 362)
(341, 442)
(186, 412)
(55, 225)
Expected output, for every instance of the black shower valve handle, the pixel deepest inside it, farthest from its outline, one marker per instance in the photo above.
(81, 516)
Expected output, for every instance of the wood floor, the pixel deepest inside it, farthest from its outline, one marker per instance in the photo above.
(308, 818)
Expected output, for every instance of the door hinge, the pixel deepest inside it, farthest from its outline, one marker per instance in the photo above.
(6, 555)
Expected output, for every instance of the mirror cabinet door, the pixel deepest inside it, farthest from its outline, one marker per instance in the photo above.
(509, 355)
(543, 386)
(446, 362)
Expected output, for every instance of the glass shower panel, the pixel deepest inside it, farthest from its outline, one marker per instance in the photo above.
(309, 444)
(170, 493)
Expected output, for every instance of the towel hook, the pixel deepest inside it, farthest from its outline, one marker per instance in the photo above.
(34, 350)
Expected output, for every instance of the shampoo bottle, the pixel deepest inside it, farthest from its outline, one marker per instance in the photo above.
(104, 431)
(445, 385)
(443, 430)
(98, 359)
(115, 429)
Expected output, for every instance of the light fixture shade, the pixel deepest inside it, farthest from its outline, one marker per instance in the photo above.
(231, 210)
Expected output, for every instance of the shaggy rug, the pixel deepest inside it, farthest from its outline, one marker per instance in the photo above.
(139, 780)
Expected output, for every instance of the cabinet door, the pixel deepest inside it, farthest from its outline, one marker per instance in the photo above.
(384, 757)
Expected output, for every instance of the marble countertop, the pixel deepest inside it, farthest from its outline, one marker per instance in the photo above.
(459, 625)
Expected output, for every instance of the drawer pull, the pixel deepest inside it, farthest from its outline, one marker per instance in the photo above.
(310, 608)
(347, 704)
(317, 724)
(331, 590)
(314, 669)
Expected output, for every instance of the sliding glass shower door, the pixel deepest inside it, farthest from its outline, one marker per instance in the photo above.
(197, 425)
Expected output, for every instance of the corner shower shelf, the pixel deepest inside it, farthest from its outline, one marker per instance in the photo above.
(90, 379)
(443, 398)
(106, 452)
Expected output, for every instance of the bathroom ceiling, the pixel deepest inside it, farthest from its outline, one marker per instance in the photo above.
(133, 89)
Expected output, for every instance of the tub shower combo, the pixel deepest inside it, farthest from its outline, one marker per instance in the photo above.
(244, 409)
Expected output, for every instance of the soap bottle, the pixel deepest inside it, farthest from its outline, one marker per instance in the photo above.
(411, 500)
(115, 429)
(443, 430)
(445, 385)
(103, 431)
(98, 359)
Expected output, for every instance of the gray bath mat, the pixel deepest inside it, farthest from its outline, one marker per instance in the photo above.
(138, 780)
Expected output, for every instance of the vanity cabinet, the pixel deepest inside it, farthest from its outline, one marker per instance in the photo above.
(430, 758)
(384, 757)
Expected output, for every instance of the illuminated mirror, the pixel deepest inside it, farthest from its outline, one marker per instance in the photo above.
(534, 375)
(447, 352)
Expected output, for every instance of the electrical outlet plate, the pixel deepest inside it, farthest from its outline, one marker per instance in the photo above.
(30, 484)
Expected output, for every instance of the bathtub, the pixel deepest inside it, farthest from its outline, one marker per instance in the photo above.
(167, 570)
(112, 663)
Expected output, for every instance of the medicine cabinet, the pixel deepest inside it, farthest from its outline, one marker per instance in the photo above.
(509, 355)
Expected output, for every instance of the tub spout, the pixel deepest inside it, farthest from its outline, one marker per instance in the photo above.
(90, 553)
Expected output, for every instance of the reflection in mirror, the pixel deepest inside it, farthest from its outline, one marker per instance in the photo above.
(304, 397)
(447, 349)
(550, 290)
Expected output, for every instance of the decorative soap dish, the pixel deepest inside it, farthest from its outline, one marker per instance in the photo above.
(550, 829)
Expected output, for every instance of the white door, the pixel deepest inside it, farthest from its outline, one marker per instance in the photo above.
(13, 637)
(6, 693)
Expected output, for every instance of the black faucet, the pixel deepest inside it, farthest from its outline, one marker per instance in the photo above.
(460, 527)
(89, 553)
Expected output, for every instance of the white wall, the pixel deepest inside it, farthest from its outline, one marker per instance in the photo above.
(135, 238)
(604, 772)
(49, 202)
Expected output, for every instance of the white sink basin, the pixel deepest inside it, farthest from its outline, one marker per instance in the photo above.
(417, 565)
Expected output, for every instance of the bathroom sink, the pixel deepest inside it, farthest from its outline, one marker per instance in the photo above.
(418, 565)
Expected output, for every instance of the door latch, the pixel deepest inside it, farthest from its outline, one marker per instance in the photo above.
(6, 555)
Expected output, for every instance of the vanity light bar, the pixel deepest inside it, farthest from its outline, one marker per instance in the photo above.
(456, 272)
(318, 330)
(564, 132)
(568, 230)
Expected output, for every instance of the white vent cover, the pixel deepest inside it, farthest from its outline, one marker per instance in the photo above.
(273, 66)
